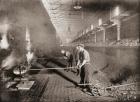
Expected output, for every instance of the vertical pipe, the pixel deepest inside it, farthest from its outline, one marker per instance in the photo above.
(95, 38)
(104, 36)
(118, 30)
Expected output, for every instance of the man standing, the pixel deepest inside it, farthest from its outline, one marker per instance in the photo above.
(69, 57)
(85, 67)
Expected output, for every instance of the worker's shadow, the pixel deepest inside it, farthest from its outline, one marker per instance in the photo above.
(65, 77)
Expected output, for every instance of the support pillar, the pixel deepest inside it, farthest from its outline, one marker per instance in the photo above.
(118, 30)
(104, 34)
(95, 40)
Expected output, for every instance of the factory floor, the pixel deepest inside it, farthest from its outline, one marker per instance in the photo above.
(53, 86)
(60, 87)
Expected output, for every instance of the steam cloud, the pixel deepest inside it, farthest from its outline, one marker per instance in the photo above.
(19, 14)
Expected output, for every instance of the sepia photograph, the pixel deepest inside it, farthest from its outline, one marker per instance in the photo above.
(69, 50)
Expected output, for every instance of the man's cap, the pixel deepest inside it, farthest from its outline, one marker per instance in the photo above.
(82, 45)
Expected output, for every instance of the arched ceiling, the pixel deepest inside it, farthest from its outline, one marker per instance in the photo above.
(68, 21)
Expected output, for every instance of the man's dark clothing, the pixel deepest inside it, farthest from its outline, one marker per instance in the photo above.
(70, 60)
(86, 72)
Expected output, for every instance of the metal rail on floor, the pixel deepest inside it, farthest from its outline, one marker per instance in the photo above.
(55, 68)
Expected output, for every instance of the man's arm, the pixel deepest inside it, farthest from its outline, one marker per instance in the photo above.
(81, 64)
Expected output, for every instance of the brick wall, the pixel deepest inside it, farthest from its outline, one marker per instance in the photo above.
(130, 27)
(99, 36)
(111, 33)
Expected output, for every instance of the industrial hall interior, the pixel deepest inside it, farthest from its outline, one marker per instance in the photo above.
(69, 51)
